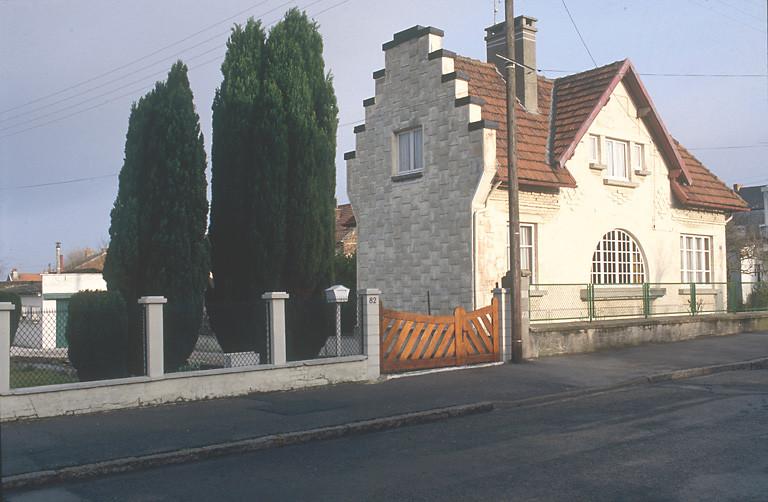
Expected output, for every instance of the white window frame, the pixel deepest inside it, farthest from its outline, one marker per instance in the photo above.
(415, 161)
(529, 250)
(638, 157)
(618, 260)
(696, 258)
(594, 149)
(612, 170)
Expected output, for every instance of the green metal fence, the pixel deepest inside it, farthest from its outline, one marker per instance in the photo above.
(590, 302)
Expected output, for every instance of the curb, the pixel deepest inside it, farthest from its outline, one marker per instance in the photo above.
(752, 364)
(129, 464)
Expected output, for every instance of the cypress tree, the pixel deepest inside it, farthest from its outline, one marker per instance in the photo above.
(295, 67)
(157, 232)
(272, 208)
(247, 231)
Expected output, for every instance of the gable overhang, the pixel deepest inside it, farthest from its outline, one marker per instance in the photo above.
(687, 201)
(652, 120)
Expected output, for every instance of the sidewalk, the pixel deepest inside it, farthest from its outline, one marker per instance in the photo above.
(65, 441)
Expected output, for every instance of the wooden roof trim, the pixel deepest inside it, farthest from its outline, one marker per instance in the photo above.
(604, 97)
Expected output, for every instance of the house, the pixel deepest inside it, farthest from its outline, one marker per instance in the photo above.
(747, 235)
(607, 196)
(346, 230)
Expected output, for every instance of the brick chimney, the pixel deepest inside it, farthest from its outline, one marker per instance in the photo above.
(526, 83)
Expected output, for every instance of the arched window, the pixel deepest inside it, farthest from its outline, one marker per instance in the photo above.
(618, 260)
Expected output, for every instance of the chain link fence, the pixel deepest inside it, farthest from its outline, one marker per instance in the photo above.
(318, 329)
(590, 302)
(40, 351)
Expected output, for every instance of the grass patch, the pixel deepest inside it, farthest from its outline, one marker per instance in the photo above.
(26, 375)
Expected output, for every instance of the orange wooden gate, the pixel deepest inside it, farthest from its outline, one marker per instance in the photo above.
(414, 341)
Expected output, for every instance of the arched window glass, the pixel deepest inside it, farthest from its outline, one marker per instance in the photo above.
(618, 260)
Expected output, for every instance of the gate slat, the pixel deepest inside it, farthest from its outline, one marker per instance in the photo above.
(416, 341)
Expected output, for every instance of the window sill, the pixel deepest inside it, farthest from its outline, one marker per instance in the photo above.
(700, 291)
(407, 176)
(642, 172)
(621, 292)
(597, 167)
(620, 183)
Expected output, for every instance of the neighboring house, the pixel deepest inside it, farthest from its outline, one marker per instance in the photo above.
(91, 261)
(346, 230)
(607, 196)
(748, 235)
(57, 290)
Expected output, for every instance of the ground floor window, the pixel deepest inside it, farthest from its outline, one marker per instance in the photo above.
(696, 258)
(527, 249)
(618, 260)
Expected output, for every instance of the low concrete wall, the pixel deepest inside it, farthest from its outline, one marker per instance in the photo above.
(77, 398)
(573, 338)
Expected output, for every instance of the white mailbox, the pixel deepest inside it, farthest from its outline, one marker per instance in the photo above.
(337, 294)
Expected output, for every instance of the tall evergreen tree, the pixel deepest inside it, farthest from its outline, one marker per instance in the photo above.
(247, 230)
(272, 211)
(295, 66)
(157, 233)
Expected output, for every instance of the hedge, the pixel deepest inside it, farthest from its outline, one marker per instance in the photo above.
(98, 335)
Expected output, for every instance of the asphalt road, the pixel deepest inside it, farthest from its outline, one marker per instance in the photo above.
(698, 439)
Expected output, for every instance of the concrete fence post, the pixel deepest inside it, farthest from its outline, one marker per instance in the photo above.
(371, 299)
(504, 303)
(153, 331)
(276, 324)
(5, 346)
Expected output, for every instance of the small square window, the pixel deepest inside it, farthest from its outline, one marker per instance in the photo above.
(410, 151)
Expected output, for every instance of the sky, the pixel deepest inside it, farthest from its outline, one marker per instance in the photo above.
(70, 69)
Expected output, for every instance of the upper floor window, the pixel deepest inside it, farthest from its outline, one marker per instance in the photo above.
(410, 157)
(696, 258)
(638, 157)
(618, 260)
(616, 159)
(594, 149)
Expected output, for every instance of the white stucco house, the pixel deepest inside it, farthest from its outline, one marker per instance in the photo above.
(57, 289)
(607, 196)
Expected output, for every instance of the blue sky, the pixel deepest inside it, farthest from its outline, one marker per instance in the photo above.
(52, 129)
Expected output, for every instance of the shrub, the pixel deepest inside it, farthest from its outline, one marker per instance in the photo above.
(758, 298)
(15, 313)
(98, 335)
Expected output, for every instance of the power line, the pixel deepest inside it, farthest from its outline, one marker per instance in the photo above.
(62, 182)
(579, 33)
(730, 147)
(98, 105)
(727, 16)
(85, 101)
(130, 63)
(107, 93)
(693, 75)
(150, 65)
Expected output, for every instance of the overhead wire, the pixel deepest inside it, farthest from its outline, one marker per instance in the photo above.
(579, 33)
(163, 60)
(87, 100)
(132, 62)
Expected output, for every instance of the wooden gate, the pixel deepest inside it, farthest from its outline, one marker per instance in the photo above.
(415, 341)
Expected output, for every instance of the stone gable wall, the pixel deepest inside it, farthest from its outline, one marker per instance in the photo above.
(415, 235)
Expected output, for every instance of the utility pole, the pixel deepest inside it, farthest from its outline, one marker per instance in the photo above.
(512, 279)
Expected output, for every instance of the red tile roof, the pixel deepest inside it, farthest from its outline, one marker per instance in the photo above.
(545, 143)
